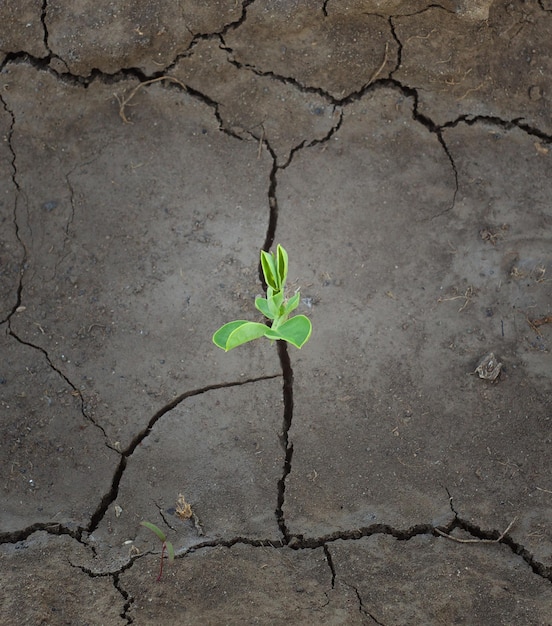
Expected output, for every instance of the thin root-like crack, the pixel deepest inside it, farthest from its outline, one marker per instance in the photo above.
(110, 496)
(272, 206)
(314, 142)
(329, 561)
(399, 47)
(115, 577)
(76, 391)
(113, 492)
(46, 34)
(362, 609)
(18, 196)
(454, 172)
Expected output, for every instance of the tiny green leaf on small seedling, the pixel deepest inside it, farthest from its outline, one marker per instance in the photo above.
(269, 270)
(170, 550)
(274, 307)
(282, 264)
(236, 333)
(292, 304)
(261, 304)
(166, 545)
(296, 331)
(155, 529)
(275, 301)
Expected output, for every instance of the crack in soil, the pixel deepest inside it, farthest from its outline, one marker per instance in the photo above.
(517, 122)
(52, 528)
(287, 447)
(46, 34)
(128, 599)
(286, 80)
(112, 494)
(273, 181)
(303, 145)
(96, 74)
(372, 85)
(228, 543)
(18, 194)
(272, 206)
(283, 353)
(76, 391)
(399, 46)
(329, 561)
(236, 23)
(434, 5)
(76, 532)
(362, 609)
(297, 542)
(500, 537)
(477, 532)
(432, 127)
(115, 579)
(339, 103)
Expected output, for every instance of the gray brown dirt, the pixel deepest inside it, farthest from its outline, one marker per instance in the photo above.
(401, 153)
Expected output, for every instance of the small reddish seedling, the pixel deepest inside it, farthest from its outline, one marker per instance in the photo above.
(166, 546)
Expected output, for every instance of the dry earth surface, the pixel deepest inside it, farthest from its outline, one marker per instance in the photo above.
(401, 151)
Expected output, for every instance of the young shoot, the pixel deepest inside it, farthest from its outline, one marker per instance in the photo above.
(275, 307)
(166, 546)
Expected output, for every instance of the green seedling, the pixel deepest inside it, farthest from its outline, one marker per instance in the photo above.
(166, 546)
(275, 307)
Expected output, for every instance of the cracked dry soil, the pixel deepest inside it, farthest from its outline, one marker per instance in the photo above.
(401, 151)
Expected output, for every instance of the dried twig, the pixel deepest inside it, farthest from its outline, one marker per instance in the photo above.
(123, 102)
(380, 68)
(539, 322)
(261, 141)
(467, 296)
(460, 540)
(472, 90)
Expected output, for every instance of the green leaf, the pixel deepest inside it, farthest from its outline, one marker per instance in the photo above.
(292, 304)
(160, 534)
(170, 550)
(244, 333)
(274, 304)
(269, 270)
(236, 333)
(220, 338)
(261, 304)
(282, 265)
(296, 331)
